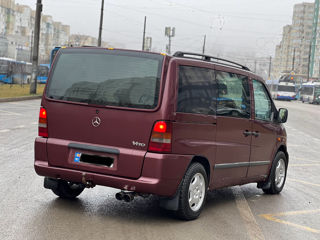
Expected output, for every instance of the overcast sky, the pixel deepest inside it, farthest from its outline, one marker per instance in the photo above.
(242, 27)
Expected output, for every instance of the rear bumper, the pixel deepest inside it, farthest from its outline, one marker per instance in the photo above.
(163, 187)
(161, 173)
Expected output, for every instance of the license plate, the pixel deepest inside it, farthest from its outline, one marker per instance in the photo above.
(77, 157)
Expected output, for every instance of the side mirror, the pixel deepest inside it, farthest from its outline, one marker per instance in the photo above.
(282, 115)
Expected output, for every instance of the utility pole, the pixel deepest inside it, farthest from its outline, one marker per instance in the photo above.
(204, 44)
(293, 58)
(101, 23)
(255, 66)
(169, 32)
(313, 40)
(269, 74)
(35, 55)
(309, 61)
(144, 33)
(31, 46)
(270, 61)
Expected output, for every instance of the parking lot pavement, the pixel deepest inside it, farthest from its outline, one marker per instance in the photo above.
(28, 211)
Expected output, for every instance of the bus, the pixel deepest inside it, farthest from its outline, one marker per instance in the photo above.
(43, 71)
(53, 54)
(293, 78)
(14, 72)
(286, 91)
(310, 92)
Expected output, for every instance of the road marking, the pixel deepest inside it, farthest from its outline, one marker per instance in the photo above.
(272, 217)
(304, 165)
(8, 130)
(22, 104)
(4, 130)
(10, 113)
(253, 229)
(304, 182)
(305, 160)
(294, 145)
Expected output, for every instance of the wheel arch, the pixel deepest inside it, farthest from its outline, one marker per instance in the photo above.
(283, 148)
(267, 182)
(204, 162)
(172, 203)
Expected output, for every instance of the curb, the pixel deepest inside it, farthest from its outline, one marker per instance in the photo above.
(16, 99)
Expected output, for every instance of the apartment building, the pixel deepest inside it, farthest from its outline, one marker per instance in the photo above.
(16, 32)
(292, 54)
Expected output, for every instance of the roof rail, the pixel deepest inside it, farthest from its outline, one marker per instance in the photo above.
(209, 59)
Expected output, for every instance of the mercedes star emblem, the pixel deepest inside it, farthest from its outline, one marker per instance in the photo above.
(96, 121)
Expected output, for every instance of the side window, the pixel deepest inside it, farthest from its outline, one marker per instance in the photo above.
(197, 90)
(233, 95)
(262, 102)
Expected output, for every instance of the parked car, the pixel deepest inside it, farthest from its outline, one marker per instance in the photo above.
(147, 123)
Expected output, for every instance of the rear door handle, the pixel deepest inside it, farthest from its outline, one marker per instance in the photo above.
(256, 134)
(246, 133)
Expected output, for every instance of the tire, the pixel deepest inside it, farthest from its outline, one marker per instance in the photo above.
(68, 190)
(278, 174)
(191, 204)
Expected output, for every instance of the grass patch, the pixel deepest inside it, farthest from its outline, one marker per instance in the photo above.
(17, 90)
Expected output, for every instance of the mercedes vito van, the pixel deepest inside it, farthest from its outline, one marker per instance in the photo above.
(147, 123)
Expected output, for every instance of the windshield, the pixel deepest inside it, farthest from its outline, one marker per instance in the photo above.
(3, 69)
(43, 71)
(117, 78)
(283, 88)
(307, 90)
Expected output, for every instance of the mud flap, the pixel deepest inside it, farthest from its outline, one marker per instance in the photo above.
(170, 203)
(264, 185)
(50, 183)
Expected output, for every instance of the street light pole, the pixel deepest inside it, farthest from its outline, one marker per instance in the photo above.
(293, 59)
(204, 44)
(144, 33)
(35, 57)
(101, 23)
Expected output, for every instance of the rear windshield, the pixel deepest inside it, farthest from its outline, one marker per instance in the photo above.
(283, 88)
(112, 78)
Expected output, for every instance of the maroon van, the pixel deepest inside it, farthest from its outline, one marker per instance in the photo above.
(147, 123)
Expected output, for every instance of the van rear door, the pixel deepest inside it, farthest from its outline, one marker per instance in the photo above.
(101, 106)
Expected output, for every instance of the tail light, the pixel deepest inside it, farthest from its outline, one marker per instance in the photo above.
(43, 123)
(160, 140)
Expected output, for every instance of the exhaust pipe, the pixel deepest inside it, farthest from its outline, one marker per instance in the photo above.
(120, 195)
(126, 196)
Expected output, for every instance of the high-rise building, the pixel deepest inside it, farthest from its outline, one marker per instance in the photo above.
(292, 54)
(16, 33)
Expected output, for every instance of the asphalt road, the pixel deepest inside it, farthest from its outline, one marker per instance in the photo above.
(28, 211)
